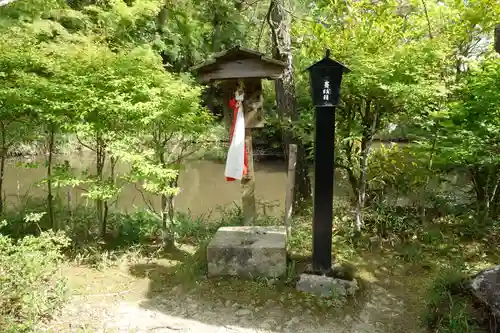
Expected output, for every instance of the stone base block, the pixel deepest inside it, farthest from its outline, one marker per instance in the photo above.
(324, 286)
(248, 252)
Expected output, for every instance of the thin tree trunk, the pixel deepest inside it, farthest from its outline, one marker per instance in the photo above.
(171, 221)
(50, 197)
(429, 168)
(2, 173)
(3, 156)
(366, 145)
(111, 180)
(100, 205)
(168, 220)
(216, 34)
(493, 194)
(167, 210)
(285, 96)
(349, 166)
(497, 38)
(164, 216)
(428, 19)
(481, 189)
(477, 188)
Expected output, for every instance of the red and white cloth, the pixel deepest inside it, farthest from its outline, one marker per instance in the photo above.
(237, 159)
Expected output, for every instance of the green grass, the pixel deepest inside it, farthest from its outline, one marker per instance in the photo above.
(449, 305)
(421, 264)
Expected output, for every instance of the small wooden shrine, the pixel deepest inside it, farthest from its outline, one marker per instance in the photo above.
(242, 70)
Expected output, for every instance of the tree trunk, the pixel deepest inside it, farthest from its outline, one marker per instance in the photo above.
(168, 220)
(497, 38)
(167, 238)
(167, 209)
(486, 182)
(495, 196)
(216, 34)
(2, 173)
(3, 157)
(285, 96)
(370, 123)
(170, 235)
(429, 169)
(100, 204)
(111, 181)
(50, 197)
(348, 148)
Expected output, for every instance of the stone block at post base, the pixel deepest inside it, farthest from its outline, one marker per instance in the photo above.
(248, 252)
(325, 286)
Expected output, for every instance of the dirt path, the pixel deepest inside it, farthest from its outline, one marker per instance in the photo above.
(114, 300)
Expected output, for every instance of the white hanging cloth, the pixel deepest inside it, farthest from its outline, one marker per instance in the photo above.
(236, 162)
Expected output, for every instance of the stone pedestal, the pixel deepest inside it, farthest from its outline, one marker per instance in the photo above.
(248, 252)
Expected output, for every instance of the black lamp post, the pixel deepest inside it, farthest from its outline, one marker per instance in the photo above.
(325, 77)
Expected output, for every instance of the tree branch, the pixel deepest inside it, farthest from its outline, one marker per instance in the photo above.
(428, 19)
(83, 144)
(146, 201)
(266, 17)
(274, 36)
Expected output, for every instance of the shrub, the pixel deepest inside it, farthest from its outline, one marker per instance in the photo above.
(399, 176)
(30, 289)
(142, 226)
(450, 307)
(196, 230)
(395, 174)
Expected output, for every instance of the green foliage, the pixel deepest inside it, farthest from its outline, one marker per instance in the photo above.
(94, 74)
(109, 75)
(395, 170)
(470, 133)
(472, 126)
(172, 128)
(30, 286)
(409, 68)
(450, 306)
(300, 244)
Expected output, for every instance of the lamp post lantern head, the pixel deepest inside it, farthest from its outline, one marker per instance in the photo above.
(326, 76)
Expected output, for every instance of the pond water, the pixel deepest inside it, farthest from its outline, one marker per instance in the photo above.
(203, 186)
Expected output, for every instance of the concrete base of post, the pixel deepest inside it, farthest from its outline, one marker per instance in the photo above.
(325, 286)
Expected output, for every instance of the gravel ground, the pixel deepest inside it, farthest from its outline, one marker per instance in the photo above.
(129, 311)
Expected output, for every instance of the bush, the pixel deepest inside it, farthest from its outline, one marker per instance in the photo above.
(142, 226)
(396, 174)
(30, 289)
(399, 176)
(450, 306)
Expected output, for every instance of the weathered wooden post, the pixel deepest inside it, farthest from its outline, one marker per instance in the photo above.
(241, 72)
(290, 188)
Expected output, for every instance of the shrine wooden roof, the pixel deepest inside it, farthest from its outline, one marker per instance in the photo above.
(237, 63)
